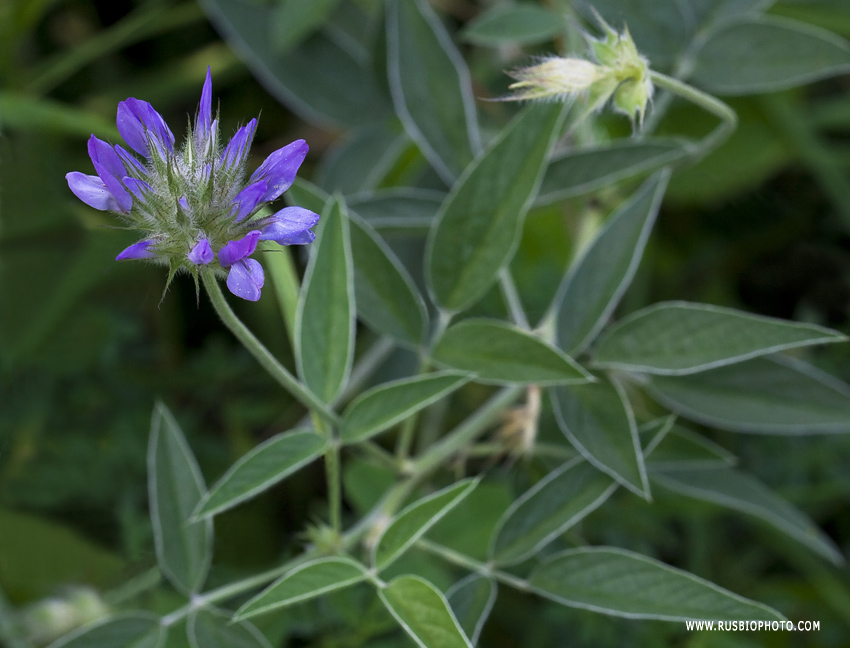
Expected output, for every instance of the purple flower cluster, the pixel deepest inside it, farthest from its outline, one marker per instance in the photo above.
(193, 204)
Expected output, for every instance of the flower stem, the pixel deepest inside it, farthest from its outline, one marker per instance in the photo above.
(466, 432)
(332, 472)
(392, 501)
(511, 296)
(261, 353)
(727, 116)
(471, 564)
(408, 428)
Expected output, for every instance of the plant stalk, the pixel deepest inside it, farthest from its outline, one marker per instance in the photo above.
(263, 355)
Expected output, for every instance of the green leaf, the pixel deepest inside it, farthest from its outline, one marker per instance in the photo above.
(423, 612)
(521, 23)
(500, 353)
(215, 629)
(710, 13)
(363, 159)
(398, 208)
(681, 448)
(472, 599)
(294, 20)
(120, 631)
(260, 469)
(626, 584)
(321, 80)
(21, 112)
(388, 300)
(324, 324)
(766, 54)
(741, 492)
(765, 395)
(677, 338)
(383, 406)
(550, 507)
(303, 583)
(583, 171)
(430, 86)
(597, 419)
(175, 486)
(478, 227)
(592, 288)
(415, 520)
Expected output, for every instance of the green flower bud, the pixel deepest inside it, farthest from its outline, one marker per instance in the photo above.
(619, 71)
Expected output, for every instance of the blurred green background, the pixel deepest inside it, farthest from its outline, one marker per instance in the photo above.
(87, 344)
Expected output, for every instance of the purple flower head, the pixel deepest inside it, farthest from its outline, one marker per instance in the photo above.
(192, 203)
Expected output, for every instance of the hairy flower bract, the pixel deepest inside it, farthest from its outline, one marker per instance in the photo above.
(618, 71)
(196, 206)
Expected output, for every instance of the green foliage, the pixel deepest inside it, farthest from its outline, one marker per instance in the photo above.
(382, 407)
(499, 353)
(260, 469)
(324, 324)
(626, 584)
(303, 583)
(478, 226)
(423, 612)
(175, 487)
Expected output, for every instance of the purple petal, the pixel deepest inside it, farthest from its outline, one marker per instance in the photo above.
(130, 160)
(302, 238)
(139, 188)
(237, 148)
(202, 252)
(202, 123)
(137, 121)
(140, 250)
(102, 153)
(115, 187)
(239, 249)
(184, 204)
(248, 199)
(245, 279)
(91, 190)
(290, 226)
(280, 168)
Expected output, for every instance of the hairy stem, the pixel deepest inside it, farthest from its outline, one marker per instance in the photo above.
(511, 296)
(727, 116)
(263, 355)
(467, 562)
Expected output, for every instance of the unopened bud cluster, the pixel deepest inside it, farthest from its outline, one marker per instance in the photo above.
(618, 70)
